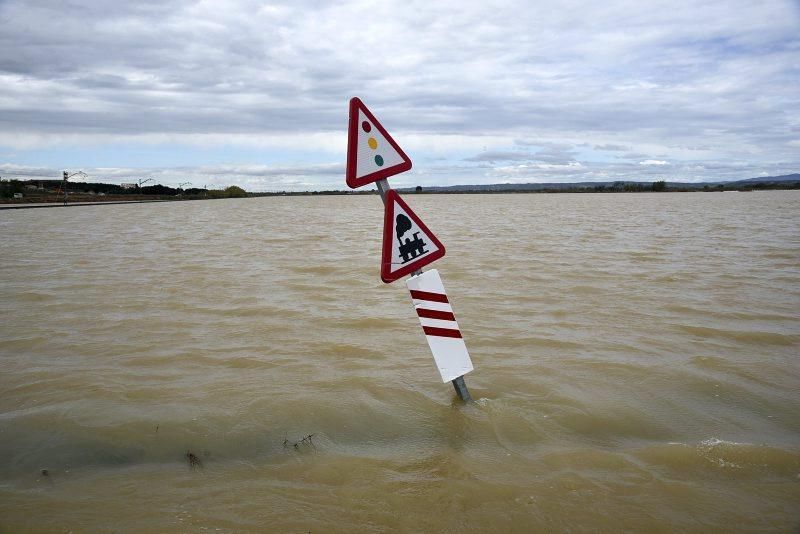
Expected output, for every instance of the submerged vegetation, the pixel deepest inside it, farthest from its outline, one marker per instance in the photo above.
(307, 441)
(194, 460)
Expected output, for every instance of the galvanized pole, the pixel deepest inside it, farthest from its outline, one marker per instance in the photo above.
(65, 187)
(458, 384)
(383, 188)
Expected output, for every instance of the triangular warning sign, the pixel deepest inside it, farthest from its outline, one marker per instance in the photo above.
(372, 154)
(408, 245)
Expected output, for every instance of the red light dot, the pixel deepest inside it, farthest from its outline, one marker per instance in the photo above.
(367, 127)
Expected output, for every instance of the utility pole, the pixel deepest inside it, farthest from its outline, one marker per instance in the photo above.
(64, 186)
(67, 176)
(180, 188)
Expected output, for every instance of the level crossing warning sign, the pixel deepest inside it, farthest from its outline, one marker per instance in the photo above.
(408, 245)
(372, 154)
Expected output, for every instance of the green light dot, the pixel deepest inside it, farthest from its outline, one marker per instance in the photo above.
(379, 160)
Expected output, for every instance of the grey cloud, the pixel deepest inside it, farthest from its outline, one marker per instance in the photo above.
(551, 153)
(609, 147)
(255, 177)
(671, 74)
(555, 155)
(194, 54)
(329, 176)
(543, 143)
(492, 156)
(23, 172)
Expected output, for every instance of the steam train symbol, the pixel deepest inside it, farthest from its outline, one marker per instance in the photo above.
(411, 248)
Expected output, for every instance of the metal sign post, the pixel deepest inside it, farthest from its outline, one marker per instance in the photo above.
(373, 156)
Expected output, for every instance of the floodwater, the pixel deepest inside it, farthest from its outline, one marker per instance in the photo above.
(636, 367)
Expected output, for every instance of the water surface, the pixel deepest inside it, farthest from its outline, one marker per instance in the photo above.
(636, 366)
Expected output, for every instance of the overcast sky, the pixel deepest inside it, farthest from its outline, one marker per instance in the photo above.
(256, 93)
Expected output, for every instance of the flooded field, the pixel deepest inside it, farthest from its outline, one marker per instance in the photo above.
(636, 367)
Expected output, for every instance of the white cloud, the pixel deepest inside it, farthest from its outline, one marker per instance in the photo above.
(450, 80)
(252, 177)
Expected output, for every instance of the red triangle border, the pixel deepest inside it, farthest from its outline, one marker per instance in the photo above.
(388, 241)
(352, 149)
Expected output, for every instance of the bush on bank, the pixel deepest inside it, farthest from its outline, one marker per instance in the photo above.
(229, 192)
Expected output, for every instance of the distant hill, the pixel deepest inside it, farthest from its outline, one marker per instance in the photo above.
(769, 179)
(785, 181)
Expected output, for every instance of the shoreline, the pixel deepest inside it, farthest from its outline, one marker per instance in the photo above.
(22, 206)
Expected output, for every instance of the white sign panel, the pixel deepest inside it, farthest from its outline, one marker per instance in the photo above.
(374, 151)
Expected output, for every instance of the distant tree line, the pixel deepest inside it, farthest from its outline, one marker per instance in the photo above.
(229, 192)
(9, 187)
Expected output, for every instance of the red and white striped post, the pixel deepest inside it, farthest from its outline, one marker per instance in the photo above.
(438, 322)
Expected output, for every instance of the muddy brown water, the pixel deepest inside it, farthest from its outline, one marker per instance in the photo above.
(636, 367)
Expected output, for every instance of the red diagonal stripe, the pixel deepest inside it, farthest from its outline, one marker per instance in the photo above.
(427, 295)
(436, 314)
(440, 332)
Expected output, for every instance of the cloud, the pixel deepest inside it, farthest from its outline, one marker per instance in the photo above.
(252, 177)
(330, 176)
(516, 82)
(530, 172)
(653, 162)
(609, 147)
(8, 170)
(558, 156)
(634, 156)
(499, 155)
